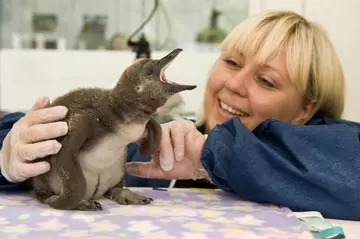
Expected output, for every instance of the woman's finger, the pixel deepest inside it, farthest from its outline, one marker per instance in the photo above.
(46, 115)
(166, 155)
(40, 132)
(33, 151)
(30, 170)
(40, 103)
(144, 170)
(195, 143)
(177, 134)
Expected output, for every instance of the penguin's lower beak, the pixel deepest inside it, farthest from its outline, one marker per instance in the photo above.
(170, 85)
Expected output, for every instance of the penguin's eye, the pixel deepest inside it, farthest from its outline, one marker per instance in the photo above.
(149, 72)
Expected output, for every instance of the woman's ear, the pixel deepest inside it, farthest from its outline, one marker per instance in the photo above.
(305, 113)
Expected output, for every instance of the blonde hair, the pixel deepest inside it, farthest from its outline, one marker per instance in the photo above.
(313, 65)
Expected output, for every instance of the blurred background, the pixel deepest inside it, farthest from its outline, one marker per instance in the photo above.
(106, 24)
(48, 47)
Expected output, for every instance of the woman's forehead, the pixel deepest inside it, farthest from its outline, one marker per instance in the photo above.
(259, 52)
(266, 60)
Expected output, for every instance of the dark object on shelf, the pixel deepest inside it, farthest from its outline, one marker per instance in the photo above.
(142, 46)
(212, 34)
(48, 44)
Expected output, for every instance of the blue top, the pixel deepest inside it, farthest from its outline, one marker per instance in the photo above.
(304, 167)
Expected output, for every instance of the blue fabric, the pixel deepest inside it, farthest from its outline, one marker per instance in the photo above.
(6, 123)
(303, 167)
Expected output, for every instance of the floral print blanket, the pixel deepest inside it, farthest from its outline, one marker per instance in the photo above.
(174, 214)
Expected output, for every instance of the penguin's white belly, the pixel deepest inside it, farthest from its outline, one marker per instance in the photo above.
(103, 164)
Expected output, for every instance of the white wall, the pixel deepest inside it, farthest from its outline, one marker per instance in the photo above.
(25, 75)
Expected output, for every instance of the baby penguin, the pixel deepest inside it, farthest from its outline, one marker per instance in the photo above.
(102, 122)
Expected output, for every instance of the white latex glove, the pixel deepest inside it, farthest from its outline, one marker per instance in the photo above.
(30, 138)
(178, 156)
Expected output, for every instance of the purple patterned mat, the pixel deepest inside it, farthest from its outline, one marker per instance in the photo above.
(174, 214)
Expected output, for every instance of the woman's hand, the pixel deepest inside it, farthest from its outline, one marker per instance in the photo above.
(30, 138)
(178, 156)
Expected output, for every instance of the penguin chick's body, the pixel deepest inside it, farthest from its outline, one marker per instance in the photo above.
(102, 122)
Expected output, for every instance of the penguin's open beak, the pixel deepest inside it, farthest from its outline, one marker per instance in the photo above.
(164, 63)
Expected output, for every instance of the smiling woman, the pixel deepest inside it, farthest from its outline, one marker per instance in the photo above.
(270, 128)
(270, 67)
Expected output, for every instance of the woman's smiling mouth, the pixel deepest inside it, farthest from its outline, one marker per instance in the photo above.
(230, 110)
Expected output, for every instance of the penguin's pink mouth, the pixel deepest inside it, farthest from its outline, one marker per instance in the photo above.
(163, 76)
(170, 86)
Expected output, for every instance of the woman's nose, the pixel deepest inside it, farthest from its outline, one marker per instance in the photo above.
(240, 82)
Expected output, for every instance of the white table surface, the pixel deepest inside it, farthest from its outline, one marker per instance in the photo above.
(351, 228)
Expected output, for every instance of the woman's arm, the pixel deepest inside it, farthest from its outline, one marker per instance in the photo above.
(303, 167)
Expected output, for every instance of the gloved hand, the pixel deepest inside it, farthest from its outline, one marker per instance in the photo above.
(30, 138)
(178, 156)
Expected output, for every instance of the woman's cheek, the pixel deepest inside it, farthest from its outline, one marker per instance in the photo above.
(264, 107)
(215, 83)
(218, 76)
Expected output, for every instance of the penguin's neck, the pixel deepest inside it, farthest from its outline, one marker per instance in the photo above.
(125, 104)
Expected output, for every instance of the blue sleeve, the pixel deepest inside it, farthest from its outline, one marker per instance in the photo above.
(303, 167)
(6, 123)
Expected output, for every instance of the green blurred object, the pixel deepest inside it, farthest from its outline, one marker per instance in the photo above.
(44, 22)
(92, 32)
(212, 34)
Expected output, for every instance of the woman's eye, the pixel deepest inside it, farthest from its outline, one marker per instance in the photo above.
(231, 63)
(265, 82)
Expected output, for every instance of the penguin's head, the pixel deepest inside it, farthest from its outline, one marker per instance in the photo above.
(146, 80)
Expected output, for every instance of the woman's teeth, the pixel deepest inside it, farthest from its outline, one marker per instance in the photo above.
(232, 110)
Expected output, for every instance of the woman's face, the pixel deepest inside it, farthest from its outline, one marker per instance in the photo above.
(240, 87)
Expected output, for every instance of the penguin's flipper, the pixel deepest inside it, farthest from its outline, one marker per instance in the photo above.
(151, 141)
